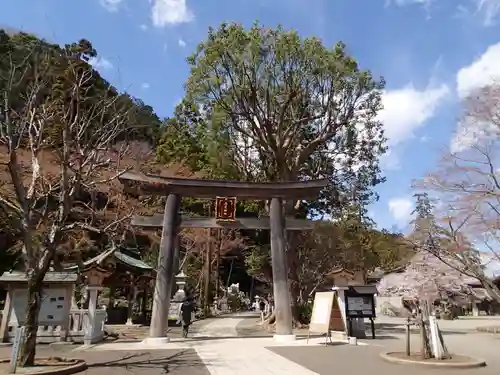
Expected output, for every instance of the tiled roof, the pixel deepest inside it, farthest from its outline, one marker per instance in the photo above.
(50, 277)
(133, 262)
(121, 257)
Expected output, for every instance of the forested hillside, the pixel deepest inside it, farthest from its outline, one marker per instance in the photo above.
(35, 77)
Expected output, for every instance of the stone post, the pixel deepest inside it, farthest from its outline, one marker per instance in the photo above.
(283, 310)
(132, 300)
(475, 309)
(90, 327)
(164, 275)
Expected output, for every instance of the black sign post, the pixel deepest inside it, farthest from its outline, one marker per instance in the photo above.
(359, 305)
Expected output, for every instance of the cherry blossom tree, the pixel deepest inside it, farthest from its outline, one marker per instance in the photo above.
(425, 277)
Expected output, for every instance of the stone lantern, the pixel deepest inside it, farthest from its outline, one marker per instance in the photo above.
(94, 277)
(180, 282)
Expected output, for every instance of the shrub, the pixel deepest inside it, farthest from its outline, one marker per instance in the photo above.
(234, 302)
(305, 312)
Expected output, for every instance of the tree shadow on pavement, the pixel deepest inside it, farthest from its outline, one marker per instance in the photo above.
(146, 362)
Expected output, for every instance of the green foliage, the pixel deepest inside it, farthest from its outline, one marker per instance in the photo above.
(287, 108)
(258, 262)
(234, 302)
(191, 138)
(305, 312)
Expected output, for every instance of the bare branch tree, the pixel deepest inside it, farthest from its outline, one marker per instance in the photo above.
(467, 184)
(59, 132)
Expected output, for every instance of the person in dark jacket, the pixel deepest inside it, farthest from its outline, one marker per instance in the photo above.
(185, 315)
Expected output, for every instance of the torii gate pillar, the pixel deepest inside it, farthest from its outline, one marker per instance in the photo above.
(174, 188)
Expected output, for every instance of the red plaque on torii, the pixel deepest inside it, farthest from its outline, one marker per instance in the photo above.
(225, 208)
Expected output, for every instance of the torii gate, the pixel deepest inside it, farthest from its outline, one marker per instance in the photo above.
(171, 222)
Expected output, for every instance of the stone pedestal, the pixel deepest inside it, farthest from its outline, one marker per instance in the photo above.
(153, 342)
(284, 338)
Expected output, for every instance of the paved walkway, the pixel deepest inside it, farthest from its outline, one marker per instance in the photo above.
(223, 353)
(463, 324)
(224, 326)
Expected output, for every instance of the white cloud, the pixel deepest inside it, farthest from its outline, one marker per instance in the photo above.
(407, 109)
(170, 12)
(488, 9)
(100, 63)
(181, 43)
(145, 86)
(401, 209)
(390, 161)
(426, 4)
(111, 5)
(481, 72)
(143, 27)
(401, 3)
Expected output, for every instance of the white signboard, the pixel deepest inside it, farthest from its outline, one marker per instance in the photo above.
(322, 310)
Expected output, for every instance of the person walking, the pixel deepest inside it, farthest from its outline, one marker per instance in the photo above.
(262, 309)
(185, 315)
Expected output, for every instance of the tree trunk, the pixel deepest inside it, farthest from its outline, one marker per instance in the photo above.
(28, 349)
(491, 288)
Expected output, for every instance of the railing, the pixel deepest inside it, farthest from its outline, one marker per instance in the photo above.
(80, 328)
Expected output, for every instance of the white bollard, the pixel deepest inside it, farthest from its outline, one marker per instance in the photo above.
(353, 340)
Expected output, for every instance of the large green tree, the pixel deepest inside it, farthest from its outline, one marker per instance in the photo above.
(288, 108)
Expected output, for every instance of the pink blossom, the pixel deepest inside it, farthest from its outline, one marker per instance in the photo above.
(427, 277)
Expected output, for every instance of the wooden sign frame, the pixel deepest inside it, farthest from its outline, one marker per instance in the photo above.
(325, 315)
(225, 209)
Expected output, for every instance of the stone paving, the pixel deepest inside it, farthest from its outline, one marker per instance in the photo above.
(223, 353)
(217, 348)
(139, 333)
(463, 324)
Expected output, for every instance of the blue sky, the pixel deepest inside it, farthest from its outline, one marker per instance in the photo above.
(431, 53)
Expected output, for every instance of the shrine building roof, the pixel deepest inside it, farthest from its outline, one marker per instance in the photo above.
(50, 277)
(117, 255)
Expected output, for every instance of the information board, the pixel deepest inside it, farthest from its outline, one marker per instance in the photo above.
(360, 305)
